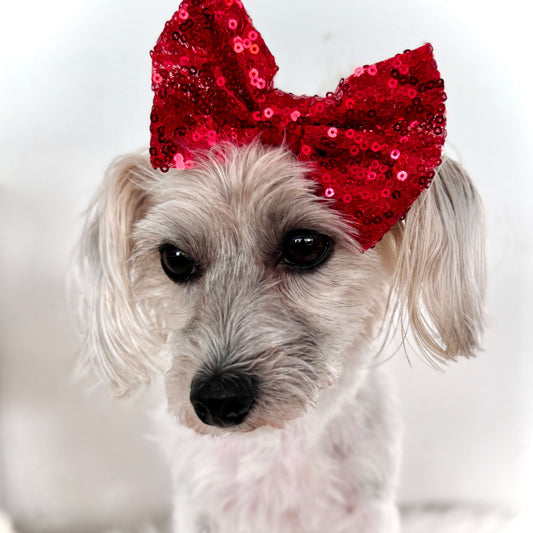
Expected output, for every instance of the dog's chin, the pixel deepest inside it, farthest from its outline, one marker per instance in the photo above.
(253, 422)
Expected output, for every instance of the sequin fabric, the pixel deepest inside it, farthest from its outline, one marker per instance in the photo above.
(373, 143)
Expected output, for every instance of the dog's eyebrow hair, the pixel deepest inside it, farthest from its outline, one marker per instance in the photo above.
(176, 225)
(297, 216)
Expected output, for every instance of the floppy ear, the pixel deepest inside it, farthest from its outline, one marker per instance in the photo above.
(119, 337)
(438, 283)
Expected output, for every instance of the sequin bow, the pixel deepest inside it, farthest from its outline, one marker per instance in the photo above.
(373, 143)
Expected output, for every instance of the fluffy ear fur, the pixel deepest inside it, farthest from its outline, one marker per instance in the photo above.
(438, 282)
(118, 333)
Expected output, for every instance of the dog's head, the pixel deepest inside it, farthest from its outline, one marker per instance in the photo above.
(252, 295)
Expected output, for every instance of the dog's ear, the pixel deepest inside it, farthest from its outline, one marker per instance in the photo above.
(438, 279)
(117, 332)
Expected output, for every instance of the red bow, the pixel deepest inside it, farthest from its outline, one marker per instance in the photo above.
(375, 141)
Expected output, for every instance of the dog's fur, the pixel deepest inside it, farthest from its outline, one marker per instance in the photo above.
(319, 450)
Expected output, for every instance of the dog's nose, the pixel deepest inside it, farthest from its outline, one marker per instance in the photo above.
(222, 400)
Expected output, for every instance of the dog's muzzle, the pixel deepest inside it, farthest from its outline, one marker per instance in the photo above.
(222, 400)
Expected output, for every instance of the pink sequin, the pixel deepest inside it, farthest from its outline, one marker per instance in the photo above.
(178, 161)
(402, 175)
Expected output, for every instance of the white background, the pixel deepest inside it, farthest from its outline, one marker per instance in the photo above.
(75, 92)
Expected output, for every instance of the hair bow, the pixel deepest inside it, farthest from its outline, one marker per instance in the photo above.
(374, 142)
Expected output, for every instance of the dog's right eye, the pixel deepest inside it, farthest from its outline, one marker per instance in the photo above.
(177, 265)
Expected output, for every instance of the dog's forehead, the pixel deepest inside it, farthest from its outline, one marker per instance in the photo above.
(251, 192)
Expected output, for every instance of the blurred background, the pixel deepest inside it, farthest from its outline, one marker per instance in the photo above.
(75, 92)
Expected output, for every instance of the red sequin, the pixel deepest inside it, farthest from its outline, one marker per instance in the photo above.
(375, 141)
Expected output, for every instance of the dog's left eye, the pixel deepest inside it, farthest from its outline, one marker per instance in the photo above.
(305, 249)
(177, 265)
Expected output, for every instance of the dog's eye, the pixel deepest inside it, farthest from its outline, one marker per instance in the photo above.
(178, 266)
(305, 249)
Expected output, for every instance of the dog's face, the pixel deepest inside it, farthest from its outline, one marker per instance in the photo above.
(258, 286)
(252, 295)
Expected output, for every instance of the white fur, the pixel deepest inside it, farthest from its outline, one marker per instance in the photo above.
(320, 449)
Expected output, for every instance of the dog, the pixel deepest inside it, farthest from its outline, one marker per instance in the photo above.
(250, 295)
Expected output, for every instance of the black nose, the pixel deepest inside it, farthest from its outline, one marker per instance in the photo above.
(222, 400)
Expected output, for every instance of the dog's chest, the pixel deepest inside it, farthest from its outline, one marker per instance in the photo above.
(265, 479)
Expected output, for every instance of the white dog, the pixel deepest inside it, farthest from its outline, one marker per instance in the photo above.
(252, 297)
